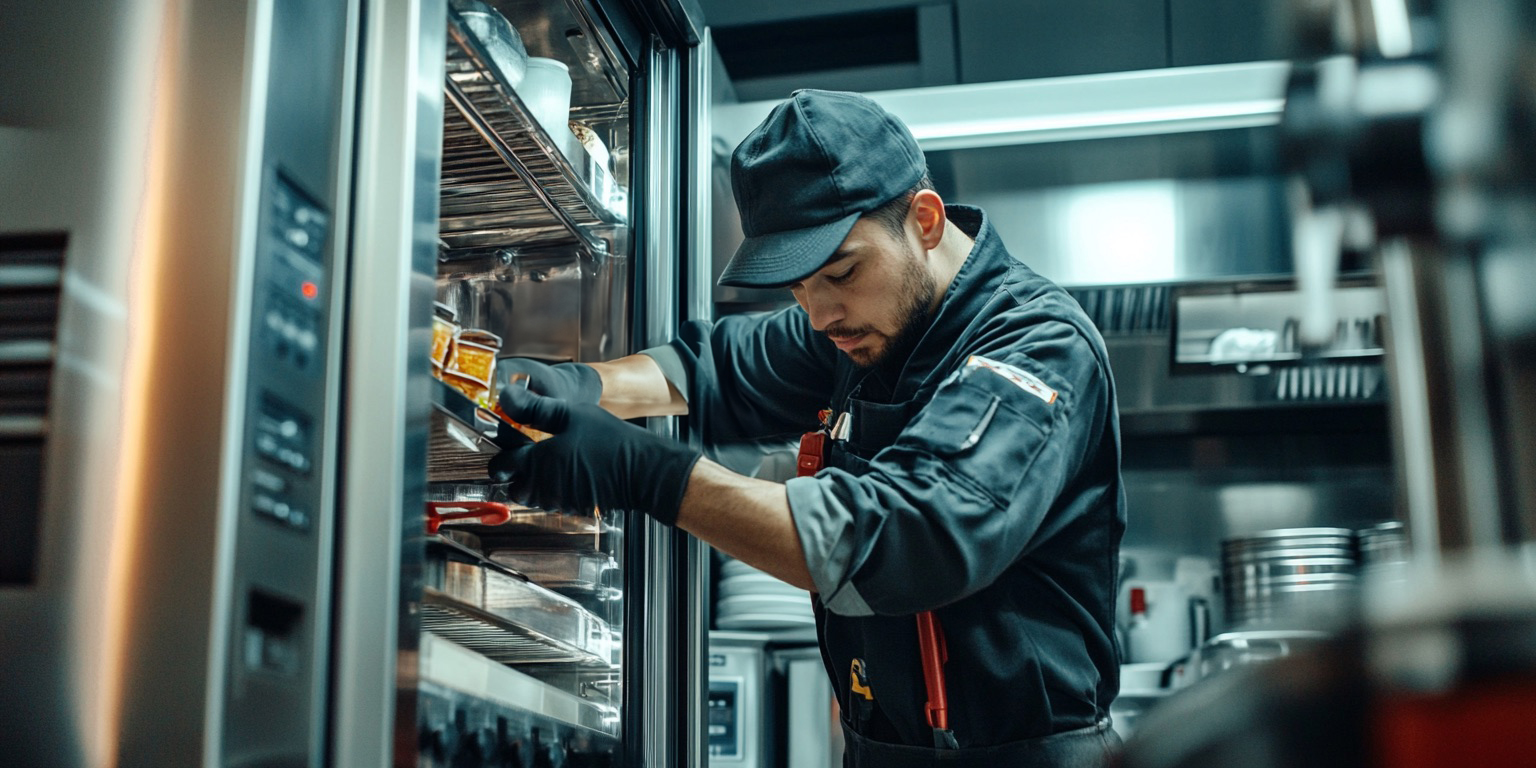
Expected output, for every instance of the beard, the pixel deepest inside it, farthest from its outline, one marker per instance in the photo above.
(917, 292)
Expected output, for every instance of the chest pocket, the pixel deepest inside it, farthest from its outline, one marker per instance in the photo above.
(986, 429)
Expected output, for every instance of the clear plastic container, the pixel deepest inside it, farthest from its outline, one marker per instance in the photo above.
(498, 37)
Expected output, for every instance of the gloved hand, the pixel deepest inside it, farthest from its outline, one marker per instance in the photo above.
(594, 459)
(576, 382)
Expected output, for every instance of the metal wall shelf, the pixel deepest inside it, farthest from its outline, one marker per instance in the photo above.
(493, 148)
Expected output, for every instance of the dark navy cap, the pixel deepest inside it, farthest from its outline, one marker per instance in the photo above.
(805, 175)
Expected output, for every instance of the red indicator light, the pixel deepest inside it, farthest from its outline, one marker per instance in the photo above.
(309, 289)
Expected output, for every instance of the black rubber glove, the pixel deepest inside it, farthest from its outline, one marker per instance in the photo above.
(595, 459)
(576, 382)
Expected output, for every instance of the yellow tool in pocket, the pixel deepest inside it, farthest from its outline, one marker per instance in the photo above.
(858, 682)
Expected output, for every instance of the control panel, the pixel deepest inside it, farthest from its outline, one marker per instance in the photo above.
(276, 674)
(287, 357)
(724, 719)
(295, 237)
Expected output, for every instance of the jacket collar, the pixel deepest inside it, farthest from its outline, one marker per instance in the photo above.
(980, 278)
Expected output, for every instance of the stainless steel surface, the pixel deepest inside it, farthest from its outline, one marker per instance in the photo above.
(1230, 650)
(698, 304)
(1135, 230)
(661, 642)
(1383, 545)
(379, 581)
(698, 189)
(654, 644)
(56, 153)
(537, 300)
(1449, 468)
(280, 474)
(810, 732)
(151, 153)
(742, 701)
(448, 664)
(1205, 319)
(1290, 577)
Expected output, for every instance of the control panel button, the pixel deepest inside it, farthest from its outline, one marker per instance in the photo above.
(280, 510)
(283, 435)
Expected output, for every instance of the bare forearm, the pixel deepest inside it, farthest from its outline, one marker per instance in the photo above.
(746, 518)
(634, 386)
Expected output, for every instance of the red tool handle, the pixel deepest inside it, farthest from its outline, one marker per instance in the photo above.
(482, 512)
(930, 642)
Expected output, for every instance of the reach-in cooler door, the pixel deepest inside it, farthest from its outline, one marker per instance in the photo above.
(523, 191)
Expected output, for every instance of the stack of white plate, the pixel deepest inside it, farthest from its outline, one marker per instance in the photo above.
(747, 598)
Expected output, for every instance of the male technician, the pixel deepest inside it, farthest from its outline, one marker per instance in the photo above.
(961, 534)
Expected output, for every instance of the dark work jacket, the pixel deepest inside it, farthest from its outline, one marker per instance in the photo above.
(981, 481)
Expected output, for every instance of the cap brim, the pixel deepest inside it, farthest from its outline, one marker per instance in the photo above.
(778, 259)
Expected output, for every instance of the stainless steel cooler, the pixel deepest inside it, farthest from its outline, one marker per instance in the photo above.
(224, 228)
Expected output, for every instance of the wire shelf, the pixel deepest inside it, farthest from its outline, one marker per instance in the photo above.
(505, 640)
(493, 149)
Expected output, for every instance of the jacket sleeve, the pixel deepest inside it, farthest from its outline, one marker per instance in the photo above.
(755, 378)
(968, 488)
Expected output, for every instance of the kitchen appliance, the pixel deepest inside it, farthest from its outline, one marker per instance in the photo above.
(225, 231)
(1160, 624)
(809, 733)
(741, 701)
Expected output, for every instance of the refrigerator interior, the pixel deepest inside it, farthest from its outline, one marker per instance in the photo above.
(522, 609)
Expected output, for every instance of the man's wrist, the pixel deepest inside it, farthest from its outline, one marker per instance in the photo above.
(669, 483)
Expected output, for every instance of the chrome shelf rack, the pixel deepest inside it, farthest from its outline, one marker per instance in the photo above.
(492, 149)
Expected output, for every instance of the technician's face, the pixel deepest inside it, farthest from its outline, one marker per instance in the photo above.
(872, 297)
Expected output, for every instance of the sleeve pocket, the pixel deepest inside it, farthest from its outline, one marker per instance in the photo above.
(955, 424)
(989, 437)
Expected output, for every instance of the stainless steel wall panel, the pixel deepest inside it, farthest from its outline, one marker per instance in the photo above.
(69, 163)
(144, 149)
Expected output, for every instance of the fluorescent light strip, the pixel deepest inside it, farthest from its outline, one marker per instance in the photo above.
(1030, 130)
